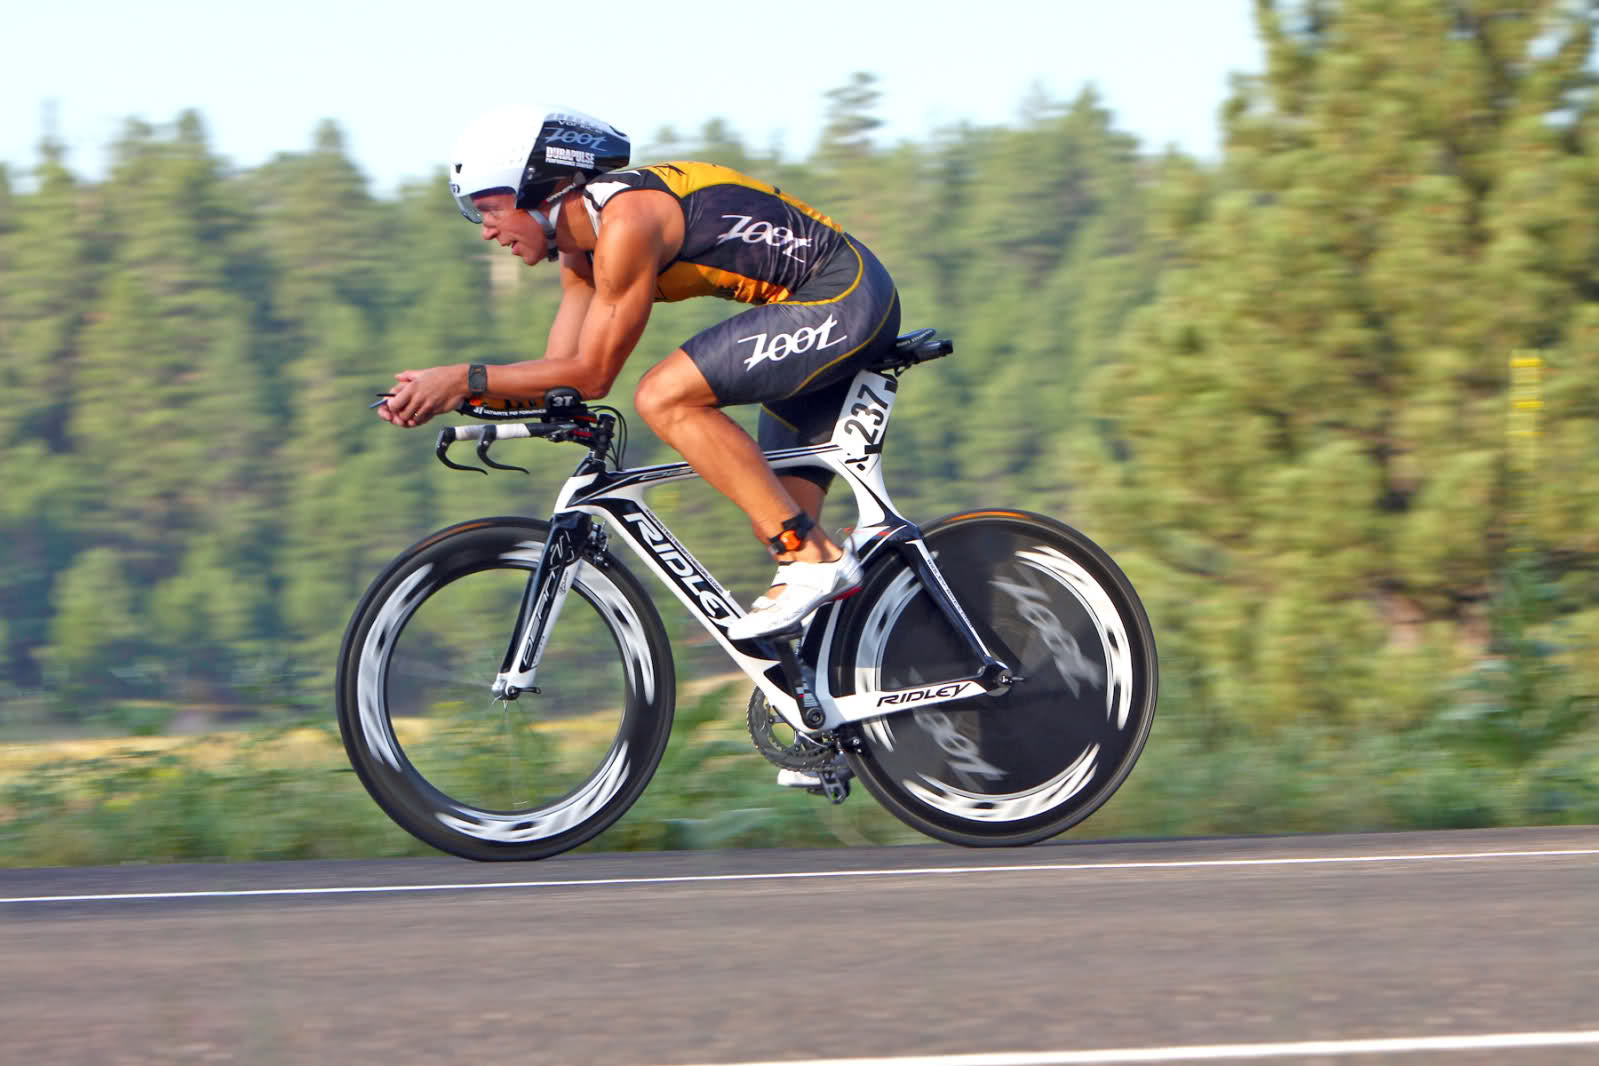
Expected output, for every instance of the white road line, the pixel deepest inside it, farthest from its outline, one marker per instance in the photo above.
(925, 871)
(1213, 1052)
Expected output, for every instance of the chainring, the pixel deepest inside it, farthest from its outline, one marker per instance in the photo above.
(780, 743)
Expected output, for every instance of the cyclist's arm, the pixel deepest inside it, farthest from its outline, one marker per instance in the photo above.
(577, 291)
(627, 259)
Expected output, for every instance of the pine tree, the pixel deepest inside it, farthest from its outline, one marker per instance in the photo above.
(48, 277)
(169, 409)
(1315, 406)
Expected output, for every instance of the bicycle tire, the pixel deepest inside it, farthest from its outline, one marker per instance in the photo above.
(1022, 766)
(502, 780)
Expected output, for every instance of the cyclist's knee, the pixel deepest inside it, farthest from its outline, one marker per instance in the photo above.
(669, 389)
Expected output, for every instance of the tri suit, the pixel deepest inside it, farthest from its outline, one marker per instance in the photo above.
(824, 305)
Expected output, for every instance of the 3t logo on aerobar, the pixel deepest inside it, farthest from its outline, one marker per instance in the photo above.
(692, 580)
(750, 231)
(783, 345)
(917, 695)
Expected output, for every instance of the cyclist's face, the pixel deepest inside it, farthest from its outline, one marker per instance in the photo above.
(512, 228)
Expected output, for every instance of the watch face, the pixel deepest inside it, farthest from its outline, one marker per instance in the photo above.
(477, 378)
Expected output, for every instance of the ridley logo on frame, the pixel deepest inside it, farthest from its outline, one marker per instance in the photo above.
(932, 692)
(693, 581)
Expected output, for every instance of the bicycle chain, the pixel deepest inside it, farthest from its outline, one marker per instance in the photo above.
(802, 753)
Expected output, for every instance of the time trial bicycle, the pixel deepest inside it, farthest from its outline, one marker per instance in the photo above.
(506, 687)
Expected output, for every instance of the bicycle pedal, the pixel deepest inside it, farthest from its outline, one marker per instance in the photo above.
(834, 784)
(799, 779)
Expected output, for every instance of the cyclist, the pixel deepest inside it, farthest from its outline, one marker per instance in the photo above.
(550, 188)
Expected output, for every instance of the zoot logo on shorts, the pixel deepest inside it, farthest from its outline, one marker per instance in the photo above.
(760, 231)
(784, 345)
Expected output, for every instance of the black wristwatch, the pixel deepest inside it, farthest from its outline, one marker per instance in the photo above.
(477, 379)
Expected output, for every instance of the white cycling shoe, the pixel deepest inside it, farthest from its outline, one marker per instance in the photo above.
(798, 779)
(806, 586)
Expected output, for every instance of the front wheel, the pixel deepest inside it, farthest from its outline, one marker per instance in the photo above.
(502, 779)
(1021, 766)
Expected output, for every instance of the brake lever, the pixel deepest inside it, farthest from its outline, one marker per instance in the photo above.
(488, 438)
(446, 438)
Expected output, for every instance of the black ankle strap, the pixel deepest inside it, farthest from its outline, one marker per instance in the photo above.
(793, 534)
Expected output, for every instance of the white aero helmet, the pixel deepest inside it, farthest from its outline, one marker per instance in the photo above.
(518, 150)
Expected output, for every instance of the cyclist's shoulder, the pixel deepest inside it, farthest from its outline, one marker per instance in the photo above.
(714, 185)
(681, 177)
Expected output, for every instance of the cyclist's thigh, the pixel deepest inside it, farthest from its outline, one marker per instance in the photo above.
(782, 354)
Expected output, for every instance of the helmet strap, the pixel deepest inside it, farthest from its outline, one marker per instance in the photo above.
(548, 220)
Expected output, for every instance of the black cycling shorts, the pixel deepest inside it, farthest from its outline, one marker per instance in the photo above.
(796, 358)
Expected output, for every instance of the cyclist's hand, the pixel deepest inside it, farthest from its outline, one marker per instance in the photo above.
(421, 394)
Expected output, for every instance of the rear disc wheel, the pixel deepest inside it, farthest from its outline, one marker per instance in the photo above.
(1027, 764)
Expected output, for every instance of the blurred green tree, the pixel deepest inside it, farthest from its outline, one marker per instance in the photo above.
(168, 413)
(49, 278)
(1314, 409)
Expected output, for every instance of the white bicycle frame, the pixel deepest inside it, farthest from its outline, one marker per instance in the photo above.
(617, 497)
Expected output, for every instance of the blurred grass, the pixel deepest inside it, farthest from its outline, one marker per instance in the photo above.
(287, 792)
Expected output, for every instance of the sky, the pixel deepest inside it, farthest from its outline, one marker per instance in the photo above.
(402, 77)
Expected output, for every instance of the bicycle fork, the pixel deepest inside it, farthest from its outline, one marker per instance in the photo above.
(571, 534)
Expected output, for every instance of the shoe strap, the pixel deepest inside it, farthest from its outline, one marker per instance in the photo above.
(811, 577)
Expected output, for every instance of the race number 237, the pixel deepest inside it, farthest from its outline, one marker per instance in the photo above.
(868, 415)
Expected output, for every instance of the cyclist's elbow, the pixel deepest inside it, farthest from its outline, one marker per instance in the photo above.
(594, 378)
(593, 388)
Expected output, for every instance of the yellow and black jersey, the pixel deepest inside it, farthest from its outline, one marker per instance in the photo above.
(742, 239)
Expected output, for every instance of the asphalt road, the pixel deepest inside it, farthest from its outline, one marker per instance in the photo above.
(1167, 951)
